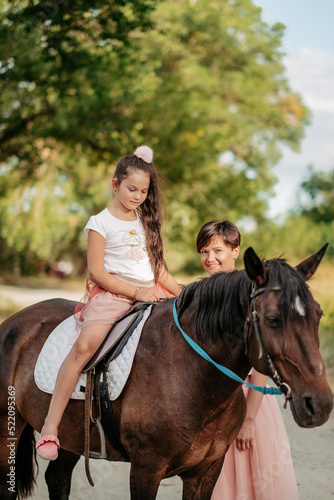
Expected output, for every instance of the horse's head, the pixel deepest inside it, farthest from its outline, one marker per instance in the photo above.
(284, 325)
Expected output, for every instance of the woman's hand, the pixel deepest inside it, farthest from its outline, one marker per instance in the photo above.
(246, 435)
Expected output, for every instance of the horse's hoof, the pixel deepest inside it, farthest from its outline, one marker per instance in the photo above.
(47, 447)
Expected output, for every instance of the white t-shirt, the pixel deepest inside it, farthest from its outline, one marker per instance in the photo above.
(125, 250)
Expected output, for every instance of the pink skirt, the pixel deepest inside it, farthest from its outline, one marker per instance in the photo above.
(104, 308)
(264, 471)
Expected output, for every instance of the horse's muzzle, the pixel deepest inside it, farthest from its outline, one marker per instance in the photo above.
(312, 410)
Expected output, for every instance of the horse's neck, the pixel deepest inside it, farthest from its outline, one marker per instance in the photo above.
(228, 351)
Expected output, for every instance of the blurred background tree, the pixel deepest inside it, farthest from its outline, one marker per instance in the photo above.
(318, 205)
(85, 82)
(64, 93)
(306, 228)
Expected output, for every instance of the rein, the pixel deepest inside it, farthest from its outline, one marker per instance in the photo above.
(223, 369)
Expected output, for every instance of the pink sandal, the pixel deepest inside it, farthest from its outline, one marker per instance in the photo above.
(47, 447)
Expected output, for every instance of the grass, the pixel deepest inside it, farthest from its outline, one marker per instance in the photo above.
(43, 281)
(322, 288)
(7, 308)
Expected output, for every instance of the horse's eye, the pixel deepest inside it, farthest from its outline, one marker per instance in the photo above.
(273, 321)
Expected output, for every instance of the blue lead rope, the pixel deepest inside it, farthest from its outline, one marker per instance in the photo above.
(226, 371)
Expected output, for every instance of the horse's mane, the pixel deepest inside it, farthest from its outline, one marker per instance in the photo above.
(223, 299)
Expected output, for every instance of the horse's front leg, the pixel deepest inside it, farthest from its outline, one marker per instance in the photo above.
(144, 483)
(58, 475)
(198, 484)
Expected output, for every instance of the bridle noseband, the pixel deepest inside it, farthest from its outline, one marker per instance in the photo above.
(254, 319)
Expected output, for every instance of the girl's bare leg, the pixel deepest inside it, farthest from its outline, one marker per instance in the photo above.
(83, 349)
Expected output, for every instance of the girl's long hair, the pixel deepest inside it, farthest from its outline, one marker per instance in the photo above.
(150, 209)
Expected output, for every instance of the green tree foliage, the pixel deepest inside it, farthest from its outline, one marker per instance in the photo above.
(61, 67)
(306, 229)
(317, 207)
(83, 83)
(318, 204)
(295, 240)
(64, 99)
(219, 88)
(319, 193)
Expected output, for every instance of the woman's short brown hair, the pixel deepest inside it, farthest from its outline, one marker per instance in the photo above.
(226, 229)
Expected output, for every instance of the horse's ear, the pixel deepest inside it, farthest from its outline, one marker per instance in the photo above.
(309, 266)
(254, 266)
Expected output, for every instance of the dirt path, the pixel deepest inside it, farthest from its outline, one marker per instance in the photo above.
(312, 449)
(28, 296)
(312, 453)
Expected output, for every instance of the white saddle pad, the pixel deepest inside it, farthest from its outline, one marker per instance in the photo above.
(59, 344)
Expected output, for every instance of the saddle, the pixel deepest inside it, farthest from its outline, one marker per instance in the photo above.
(96, 391)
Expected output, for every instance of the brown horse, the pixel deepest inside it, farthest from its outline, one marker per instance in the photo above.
(177, 414)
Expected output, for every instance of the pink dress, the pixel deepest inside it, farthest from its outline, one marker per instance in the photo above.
(265, 471)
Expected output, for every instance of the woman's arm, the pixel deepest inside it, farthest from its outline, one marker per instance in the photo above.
(97, 273)
(246, 434)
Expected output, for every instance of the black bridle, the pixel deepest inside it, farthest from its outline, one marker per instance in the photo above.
(254, 320)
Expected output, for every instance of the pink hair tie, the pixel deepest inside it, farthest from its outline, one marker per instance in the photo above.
(144, 153)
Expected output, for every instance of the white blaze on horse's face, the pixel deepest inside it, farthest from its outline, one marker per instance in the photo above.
(298, 306)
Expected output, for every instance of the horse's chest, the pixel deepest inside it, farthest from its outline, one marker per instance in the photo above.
(220, 427)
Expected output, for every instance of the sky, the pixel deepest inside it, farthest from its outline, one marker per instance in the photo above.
(309, 61)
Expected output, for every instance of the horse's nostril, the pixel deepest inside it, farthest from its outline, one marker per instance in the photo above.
(309, 405)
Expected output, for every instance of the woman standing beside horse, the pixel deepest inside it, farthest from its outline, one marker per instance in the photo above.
(125, 264)
(258, 464)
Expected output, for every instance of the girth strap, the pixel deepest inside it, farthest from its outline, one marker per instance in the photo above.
(108, 421)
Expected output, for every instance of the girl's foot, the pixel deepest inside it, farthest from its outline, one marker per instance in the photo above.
(47, 447)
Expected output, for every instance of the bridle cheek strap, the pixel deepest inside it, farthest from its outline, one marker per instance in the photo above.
(254, 320)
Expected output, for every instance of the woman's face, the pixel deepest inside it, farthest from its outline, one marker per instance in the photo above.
(216, 256)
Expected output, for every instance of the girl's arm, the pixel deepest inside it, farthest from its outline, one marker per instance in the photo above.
(97, 273)
(170, 283)
(246, 434)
